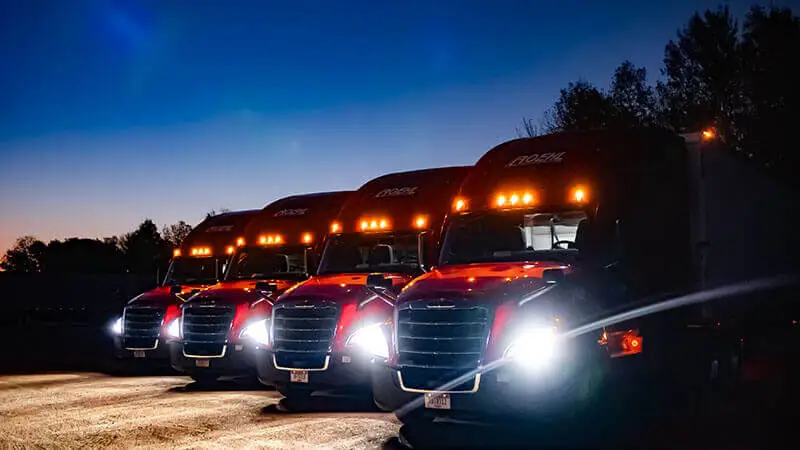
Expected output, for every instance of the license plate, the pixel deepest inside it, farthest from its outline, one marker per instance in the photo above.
(202, 362)
(138, 354)
(437, 401)
(298, 376)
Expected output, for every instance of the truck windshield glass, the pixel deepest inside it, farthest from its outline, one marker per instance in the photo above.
(368, 252)
(253, 263)
(192, 271)
(512, 236)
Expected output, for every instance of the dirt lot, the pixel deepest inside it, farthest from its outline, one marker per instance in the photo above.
(90, 409)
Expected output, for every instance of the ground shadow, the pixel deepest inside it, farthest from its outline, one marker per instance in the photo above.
(323, 403)
(223, 385)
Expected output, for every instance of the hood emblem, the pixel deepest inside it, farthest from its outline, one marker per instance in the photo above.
(440, 304)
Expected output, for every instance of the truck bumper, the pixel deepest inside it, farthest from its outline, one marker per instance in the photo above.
(503, 394)
(238, 360)
(344, 371)
(158, 355)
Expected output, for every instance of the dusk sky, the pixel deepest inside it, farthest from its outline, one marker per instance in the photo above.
(116, 111)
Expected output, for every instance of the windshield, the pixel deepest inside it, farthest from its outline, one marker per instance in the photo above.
(192, 271)
(252, 263)
(359, 252)
(512, 236)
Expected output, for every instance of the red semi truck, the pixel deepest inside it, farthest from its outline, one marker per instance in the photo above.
(196, 265)
(325, 331)
(216, 330)
(550, 233)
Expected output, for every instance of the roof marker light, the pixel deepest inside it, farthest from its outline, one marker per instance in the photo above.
(307, 238)
(230, 249)
(501, 200)
(420, 221)
(335, 227)
(240, 242)
(459, 204)
(176, 252)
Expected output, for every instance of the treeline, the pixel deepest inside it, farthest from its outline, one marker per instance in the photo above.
(144, 251)
(743, 80)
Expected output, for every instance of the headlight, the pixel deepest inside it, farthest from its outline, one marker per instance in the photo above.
(371, 340)
(534, 348)
(256, 331)
(174, 329)
(116, 327)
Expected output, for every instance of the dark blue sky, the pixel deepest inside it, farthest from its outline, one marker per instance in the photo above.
(113, 111)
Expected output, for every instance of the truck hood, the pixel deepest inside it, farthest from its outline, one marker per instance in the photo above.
(239, 291)
(494, 282)
(340, 288)
(161, 296)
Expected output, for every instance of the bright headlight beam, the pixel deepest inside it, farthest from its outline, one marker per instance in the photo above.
(257, 332)
(533, 348)
(371, 340)
(174, 329)
(116, 327)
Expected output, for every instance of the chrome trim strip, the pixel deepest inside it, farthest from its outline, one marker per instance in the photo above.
(427, 391)
(324, 367)
(139, 349)
(222, 355)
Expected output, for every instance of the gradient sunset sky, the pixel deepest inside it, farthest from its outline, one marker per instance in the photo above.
(116, 111)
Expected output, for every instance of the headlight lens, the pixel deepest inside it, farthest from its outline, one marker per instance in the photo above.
(371, 340)
(174, 329)
(533, 348)
(116, 327)
(256, 331)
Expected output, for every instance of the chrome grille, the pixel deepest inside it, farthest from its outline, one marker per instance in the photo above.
(141, 326)
(438, 345)
(206, 328)
(302, 334)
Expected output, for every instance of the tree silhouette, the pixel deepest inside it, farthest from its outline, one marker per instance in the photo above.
(25, 256)
(580, 106)
(634, 102)
(702, 86)
(145, 251)
(770, 73)
(77, 255)
(175, 234)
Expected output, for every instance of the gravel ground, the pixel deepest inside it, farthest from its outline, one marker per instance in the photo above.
(71, 410)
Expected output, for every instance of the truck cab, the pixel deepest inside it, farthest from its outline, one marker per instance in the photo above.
(216, 331)
(546, 235)
(326, 331)
(140, 332)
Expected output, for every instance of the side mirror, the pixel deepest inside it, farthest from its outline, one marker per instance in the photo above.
(378, 280)
(422, 246)
(175, 289)
(553, 275)
(265, 286)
